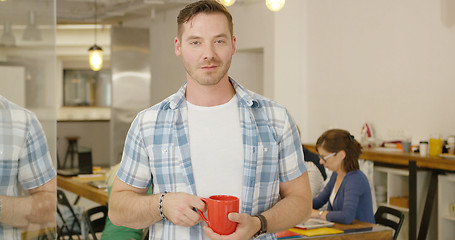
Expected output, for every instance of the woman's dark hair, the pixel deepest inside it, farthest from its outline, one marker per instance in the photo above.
(203, 6)
(335, 140)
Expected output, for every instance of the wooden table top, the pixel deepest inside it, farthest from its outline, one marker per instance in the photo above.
(83, 189)
(397, 157)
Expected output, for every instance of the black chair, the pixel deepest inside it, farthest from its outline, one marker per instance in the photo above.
(69, 222)
(395, 222)
(95, 219)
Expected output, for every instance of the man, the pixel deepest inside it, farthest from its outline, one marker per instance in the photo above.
(211, 137)
(25, 164)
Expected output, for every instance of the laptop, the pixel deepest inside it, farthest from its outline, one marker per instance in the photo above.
(98, 184)
(68, 172)
(315, 223)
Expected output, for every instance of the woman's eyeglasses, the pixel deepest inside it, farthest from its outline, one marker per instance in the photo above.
(326, 157)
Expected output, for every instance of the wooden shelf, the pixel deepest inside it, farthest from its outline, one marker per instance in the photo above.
(402, 209)
(446, 196)
(83, 114)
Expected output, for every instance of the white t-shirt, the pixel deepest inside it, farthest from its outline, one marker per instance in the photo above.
(216, 148)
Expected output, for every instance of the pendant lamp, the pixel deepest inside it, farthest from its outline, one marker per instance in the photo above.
(226, 3)
(32, 32)
(275, 5)
(272, 5)
(95, 52)
(8, 39)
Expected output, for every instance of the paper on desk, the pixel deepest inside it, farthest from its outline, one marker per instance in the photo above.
(315, 223)
(316, 231)
(90, 177)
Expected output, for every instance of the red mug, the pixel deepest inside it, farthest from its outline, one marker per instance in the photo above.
(218, 207)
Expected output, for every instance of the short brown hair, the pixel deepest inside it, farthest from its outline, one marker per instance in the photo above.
(335, 140)
(203, 6)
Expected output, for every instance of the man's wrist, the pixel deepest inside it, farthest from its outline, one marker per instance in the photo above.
(263, 226)
(257, 225)
(160, 205)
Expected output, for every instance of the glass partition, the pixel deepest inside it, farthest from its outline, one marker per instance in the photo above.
(31, 58)
(27, 72)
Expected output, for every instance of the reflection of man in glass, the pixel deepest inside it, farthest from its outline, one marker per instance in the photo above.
(25, 166)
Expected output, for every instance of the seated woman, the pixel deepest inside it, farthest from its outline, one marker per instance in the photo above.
(348, 191)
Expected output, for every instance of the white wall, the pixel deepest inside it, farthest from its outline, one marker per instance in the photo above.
(167, 70)
(290, 62)
(386, 62)
(247, 69)
(254, 29)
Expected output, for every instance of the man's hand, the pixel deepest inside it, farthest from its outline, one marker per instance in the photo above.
(247, 226)
(179, 208)
(38, 208)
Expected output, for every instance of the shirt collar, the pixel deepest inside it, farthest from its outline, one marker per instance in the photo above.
(246, 97)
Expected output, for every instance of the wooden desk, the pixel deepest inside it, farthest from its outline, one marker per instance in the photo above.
(357, 231)
(82, 189)
(44, 233)
(402, 158)
(412, 161)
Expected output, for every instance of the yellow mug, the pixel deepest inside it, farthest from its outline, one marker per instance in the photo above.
(435, 146)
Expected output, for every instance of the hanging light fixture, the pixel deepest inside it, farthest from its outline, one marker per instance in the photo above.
(226, 3)
(32, 32)
(275, 5)
(8, 38)
(95, 52)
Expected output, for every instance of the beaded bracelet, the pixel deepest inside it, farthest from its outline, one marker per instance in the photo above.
(160, 206)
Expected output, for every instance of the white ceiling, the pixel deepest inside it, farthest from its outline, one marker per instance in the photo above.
(115, 11)
(111, 11)
(83, 11)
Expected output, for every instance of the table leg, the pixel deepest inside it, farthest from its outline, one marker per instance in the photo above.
(431, 195)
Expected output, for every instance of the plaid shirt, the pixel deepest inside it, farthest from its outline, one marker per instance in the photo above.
(157, 152)
(25, 161)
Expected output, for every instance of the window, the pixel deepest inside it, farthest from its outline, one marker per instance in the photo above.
(86, 88)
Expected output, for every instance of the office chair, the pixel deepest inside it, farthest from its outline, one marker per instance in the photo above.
(381, 218)
(98, 223)
(69, 223)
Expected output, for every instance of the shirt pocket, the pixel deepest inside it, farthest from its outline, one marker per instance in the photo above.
(167, 169)
(267, 174)
(267, 162)
(9, 170)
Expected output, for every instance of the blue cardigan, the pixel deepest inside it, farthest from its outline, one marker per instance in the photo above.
(353, 200)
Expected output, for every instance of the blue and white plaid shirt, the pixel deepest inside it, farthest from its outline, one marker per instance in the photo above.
(25, 161)
(157, 152)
